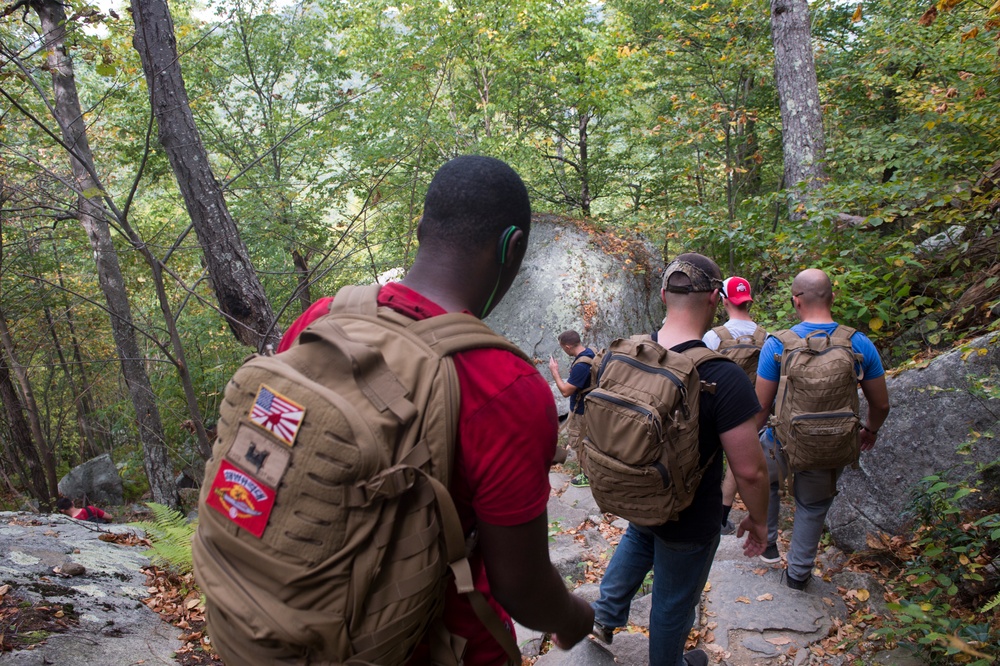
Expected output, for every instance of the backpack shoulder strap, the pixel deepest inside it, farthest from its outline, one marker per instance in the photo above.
(357, 299)
(702, 354)
(759, 335)
(842, 336)
(456, 331)
(723, 333)
(586, 360)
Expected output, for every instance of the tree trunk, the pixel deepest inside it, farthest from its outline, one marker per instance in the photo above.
(584, 166)
(96, 440)
(302, 279)
(239, 292)
(798, 93)
(92, 215)
(23, 447)
(30, 406)
(748, 170)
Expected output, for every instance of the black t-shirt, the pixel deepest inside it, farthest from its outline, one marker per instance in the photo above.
(733, 403)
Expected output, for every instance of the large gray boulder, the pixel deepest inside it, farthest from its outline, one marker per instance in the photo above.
(574, 277)
(935, 410)
(95, 481)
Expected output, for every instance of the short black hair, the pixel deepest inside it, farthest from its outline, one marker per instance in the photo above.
(471, 200)
(64, 503)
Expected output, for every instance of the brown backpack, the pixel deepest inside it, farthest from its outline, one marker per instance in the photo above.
(744, 350)
(816, 408)
(326, 529)
(640, 450)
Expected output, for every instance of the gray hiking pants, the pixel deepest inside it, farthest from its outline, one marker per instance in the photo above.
(814, 491)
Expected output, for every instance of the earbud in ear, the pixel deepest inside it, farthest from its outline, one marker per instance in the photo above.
(504, 239)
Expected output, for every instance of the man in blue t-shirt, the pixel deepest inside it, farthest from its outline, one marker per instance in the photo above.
(572, 388)
(812, 298)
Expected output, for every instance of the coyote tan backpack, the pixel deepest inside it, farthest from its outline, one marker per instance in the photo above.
(816, 408)
(326, 530)
(641, 450)
(743, 350)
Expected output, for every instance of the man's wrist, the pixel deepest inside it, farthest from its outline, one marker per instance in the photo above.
(874, 432)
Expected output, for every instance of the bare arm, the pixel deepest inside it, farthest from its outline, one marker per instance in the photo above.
(766, 390)
(564, 387)
(526, 584)
(877, 395)
(746, 460)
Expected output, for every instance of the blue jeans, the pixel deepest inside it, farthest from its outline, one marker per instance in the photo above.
(679, 574)
(814, 491)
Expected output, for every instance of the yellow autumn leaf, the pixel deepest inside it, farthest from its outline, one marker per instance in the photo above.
(995, 9)
(857, 14)
(742, 600)
(875, 324)
(765, 597)
(963, 560)
(863, 595)
(970, 35)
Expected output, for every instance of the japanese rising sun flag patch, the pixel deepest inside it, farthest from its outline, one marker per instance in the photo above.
(277, 414)
(241, 498)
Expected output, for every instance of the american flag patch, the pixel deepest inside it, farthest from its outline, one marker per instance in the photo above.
(277, 414)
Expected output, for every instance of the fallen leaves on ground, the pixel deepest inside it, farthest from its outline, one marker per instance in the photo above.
(25, 625)
(177, 600)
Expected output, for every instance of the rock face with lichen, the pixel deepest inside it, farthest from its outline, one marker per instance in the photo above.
(939, 414)
(574, 277)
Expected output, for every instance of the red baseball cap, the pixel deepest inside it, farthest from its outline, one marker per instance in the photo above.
(737, 290)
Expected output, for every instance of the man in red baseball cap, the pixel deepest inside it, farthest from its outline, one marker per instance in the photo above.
(740, 339)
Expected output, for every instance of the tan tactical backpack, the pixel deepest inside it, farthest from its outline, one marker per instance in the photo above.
(326, 530)
(816, 408)
(640, 450)
(744, 350)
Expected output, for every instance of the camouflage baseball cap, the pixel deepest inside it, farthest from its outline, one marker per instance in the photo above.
(690, 273)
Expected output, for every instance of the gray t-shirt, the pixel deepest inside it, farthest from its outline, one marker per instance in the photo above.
(737, 327)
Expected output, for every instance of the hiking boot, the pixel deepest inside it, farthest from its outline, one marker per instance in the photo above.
(602, 633)
(771, 554)
(728, 528)
(580, 481)
(696, 658)
(795, 583)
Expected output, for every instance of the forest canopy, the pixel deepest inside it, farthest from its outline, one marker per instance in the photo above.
(156, 223)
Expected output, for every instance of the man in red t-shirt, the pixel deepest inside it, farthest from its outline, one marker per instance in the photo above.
(473, 236)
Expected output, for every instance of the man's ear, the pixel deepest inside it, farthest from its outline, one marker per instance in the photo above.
(663, 295)
(511, 245)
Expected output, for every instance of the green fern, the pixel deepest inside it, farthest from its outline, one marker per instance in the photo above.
(170, 533)
(991, 604)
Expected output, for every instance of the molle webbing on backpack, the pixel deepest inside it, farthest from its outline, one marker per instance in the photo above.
(331, 544)
(743, 350)
(816, 407)
(641, 450)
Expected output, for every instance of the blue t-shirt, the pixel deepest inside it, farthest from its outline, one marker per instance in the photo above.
(579, 376)
(769, 366)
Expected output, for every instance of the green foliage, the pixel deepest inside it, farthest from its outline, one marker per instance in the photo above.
(170, 533)
(952, 555)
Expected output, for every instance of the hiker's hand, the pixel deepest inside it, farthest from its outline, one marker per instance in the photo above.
(553, 366)
(866, 438)
(583, 623)
(756, 536)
